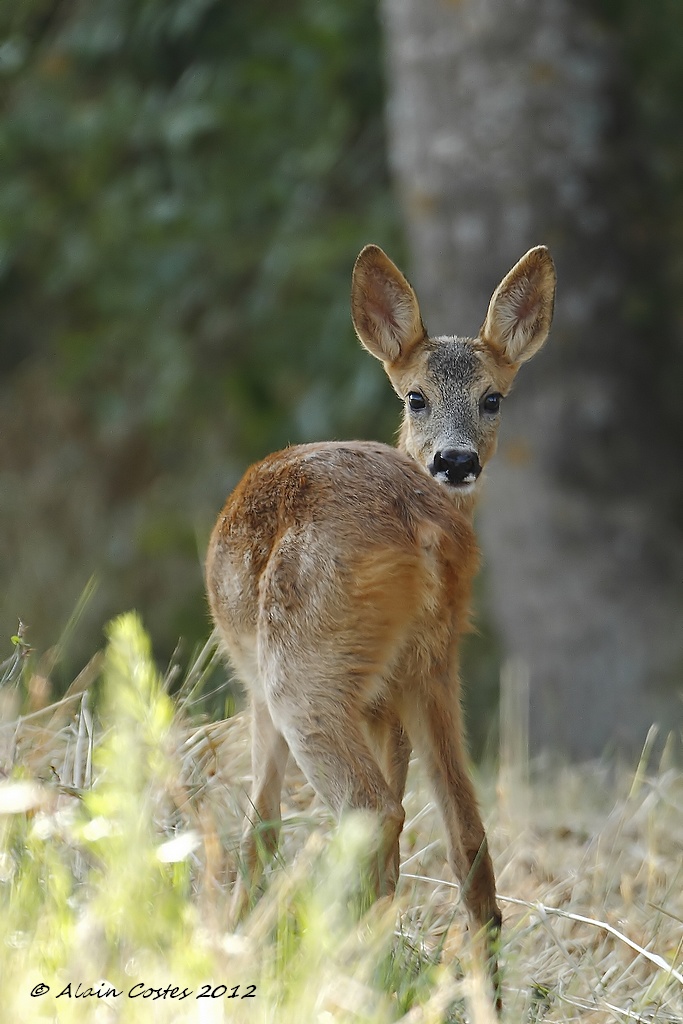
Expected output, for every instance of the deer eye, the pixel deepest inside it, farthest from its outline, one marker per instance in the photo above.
(416, 401)
(491, 403)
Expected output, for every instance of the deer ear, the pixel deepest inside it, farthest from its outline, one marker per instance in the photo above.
(384, 308)
(521, 308)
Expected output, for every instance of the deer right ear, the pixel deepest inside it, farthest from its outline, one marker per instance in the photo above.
(384, 308)
(521, 308)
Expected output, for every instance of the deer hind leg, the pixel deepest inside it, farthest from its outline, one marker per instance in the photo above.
(393, 747)
(438, 737)
(325, 735)
(269, 753)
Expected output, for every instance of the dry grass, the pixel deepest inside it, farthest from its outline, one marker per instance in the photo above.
(118, 834)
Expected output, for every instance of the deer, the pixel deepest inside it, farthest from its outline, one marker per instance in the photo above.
(339, 576)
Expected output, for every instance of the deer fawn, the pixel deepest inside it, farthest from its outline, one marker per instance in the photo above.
(339, 579)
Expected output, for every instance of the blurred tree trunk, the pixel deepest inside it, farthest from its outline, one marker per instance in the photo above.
(504, 133)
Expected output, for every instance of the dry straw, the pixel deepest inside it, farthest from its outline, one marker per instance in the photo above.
(588, 860)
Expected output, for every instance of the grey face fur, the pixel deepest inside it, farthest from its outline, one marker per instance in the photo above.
(454, 434)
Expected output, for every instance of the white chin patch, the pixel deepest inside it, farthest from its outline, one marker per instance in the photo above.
(465, 487)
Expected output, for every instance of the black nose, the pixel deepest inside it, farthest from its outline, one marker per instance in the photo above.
(461, 465)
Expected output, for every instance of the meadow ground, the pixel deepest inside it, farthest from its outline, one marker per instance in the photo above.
(119, 820)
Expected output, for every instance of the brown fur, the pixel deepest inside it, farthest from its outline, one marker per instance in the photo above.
(339, 579)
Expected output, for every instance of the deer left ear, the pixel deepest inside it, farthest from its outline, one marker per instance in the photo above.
(521, 308)
(384, 308)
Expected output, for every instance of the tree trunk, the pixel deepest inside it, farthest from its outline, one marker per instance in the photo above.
(501, 125)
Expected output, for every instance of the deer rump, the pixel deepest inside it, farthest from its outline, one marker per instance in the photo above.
(348, 562)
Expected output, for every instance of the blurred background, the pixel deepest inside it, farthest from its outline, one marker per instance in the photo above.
(185, 185)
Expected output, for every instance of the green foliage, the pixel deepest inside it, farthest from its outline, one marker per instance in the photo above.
(186, 183)
(185, 187)
(10, 668)
(134, 763)
(648, 198)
